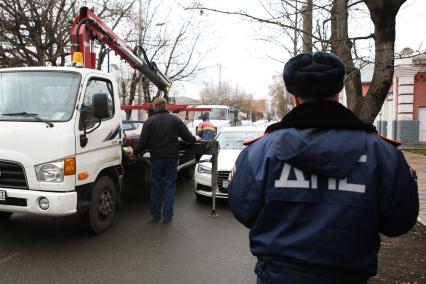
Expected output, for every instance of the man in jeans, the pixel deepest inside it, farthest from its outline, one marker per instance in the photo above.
(160, 135)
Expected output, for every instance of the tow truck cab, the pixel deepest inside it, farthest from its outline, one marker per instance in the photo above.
(220, 115)
(60, 143)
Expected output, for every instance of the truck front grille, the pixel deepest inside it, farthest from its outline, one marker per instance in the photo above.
(12, 175)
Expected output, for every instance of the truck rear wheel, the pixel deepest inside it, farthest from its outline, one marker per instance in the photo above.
(101, 212)
(5, 216)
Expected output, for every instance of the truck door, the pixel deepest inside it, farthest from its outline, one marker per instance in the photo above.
(103, 147)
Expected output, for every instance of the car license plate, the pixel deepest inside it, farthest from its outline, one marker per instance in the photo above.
(2, 195)
(225, 184)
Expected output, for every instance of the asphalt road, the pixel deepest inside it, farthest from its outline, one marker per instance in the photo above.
(194, 248)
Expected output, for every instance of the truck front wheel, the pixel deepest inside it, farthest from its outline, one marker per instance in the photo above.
(100, 215)
(5, 216)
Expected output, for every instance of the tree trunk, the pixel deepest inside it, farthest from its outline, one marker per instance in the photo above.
(145, 89)
(103, 52)
(295, 31)
(307, 26)
(342, 46)
(383, 15)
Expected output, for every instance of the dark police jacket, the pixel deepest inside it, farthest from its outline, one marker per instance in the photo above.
(319, 188)
(160, 135)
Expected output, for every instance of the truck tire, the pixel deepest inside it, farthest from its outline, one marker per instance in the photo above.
(101, 212)
(4, 216)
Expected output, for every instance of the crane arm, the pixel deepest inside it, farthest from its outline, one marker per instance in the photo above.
(87, 27)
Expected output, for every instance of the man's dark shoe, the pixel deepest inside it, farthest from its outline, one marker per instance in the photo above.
(166, 221)
(156, 220)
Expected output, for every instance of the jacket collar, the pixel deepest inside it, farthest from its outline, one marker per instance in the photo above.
(324, 115)
(321, 115)
(161, 111)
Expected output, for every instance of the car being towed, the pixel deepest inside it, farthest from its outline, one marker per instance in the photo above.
(230, 145)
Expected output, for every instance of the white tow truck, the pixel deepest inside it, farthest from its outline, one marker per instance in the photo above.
(61, 132)
(219, 115)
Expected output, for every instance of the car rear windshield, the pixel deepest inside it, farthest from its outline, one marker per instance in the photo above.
(233, 140)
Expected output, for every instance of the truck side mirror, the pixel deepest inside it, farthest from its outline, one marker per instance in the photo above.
(100, 111)
(100, 106)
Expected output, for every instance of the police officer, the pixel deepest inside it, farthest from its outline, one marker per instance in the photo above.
(317, 190)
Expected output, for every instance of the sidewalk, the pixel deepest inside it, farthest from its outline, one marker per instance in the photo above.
(418, 163)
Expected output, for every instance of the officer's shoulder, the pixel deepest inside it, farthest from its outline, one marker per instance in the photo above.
(382, 146)
(379, 140)
(269, 137)
(382, 138)
(251, 141)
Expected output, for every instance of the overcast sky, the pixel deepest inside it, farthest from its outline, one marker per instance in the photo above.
(241, 59)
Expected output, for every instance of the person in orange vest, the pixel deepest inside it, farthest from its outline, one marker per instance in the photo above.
(206, 130)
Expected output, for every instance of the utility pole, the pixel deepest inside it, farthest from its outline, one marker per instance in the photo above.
(220, 75)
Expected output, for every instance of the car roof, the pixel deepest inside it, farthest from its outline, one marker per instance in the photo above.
(244, 129)
(212, 106)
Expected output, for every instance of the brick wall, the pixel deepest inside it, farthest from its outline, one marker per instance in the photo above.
(420, 93)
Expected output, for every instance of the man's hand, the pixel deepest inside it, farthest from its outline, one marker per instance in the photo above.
(197, 138)
(129, 152)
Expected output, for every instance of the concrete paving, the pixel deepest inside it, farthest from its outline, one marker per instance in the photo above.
(418, 163)
(194, 248)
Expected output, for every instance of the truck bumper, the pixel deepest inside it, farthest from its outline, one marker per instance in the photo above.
(27, 201)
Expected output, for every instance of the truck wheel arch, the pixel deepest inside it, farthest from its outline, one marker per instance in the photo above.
(84, 192)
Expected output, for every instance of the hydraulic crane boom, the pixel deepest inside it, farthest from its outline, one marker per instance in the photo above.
(87, 27)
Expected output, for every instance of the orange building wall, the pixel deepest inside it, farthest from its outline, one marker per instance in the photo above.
(365, 87)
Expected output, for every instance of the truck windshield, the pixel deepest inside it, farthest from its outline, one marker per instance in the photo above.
(37, 95)
(214, 114)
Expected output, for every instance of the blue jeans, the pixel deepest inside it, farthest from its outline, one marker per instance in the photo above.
(163, 174)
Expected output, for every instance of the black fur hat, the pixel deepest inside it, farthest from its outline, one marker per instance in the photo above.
(204, 116)
(314, 75)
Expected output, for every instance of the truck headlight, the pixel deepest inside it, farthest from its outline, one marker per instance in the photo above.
(204, 170)
(51, 172)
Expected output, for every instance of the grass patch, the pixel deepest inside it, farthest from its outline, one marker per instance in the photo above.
(417, 151)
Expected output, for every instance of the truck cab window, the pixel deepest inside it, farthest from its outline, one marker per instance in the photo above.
(96, 86)
(49, 95)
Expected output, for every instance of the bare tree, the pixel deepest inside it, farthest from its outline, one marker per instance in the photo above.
(34, 32)
(172, 47)
(307, 26)
(383, 14)
(282, 101)
(114, 13)
(336, 39)
(225, 94)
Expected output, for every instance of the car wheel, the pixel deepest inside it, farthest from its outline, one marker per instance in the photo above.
(101, 212)
(4, 216)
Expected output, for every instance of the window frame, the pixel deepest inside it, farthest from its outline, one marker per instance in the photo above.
(93, 122)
